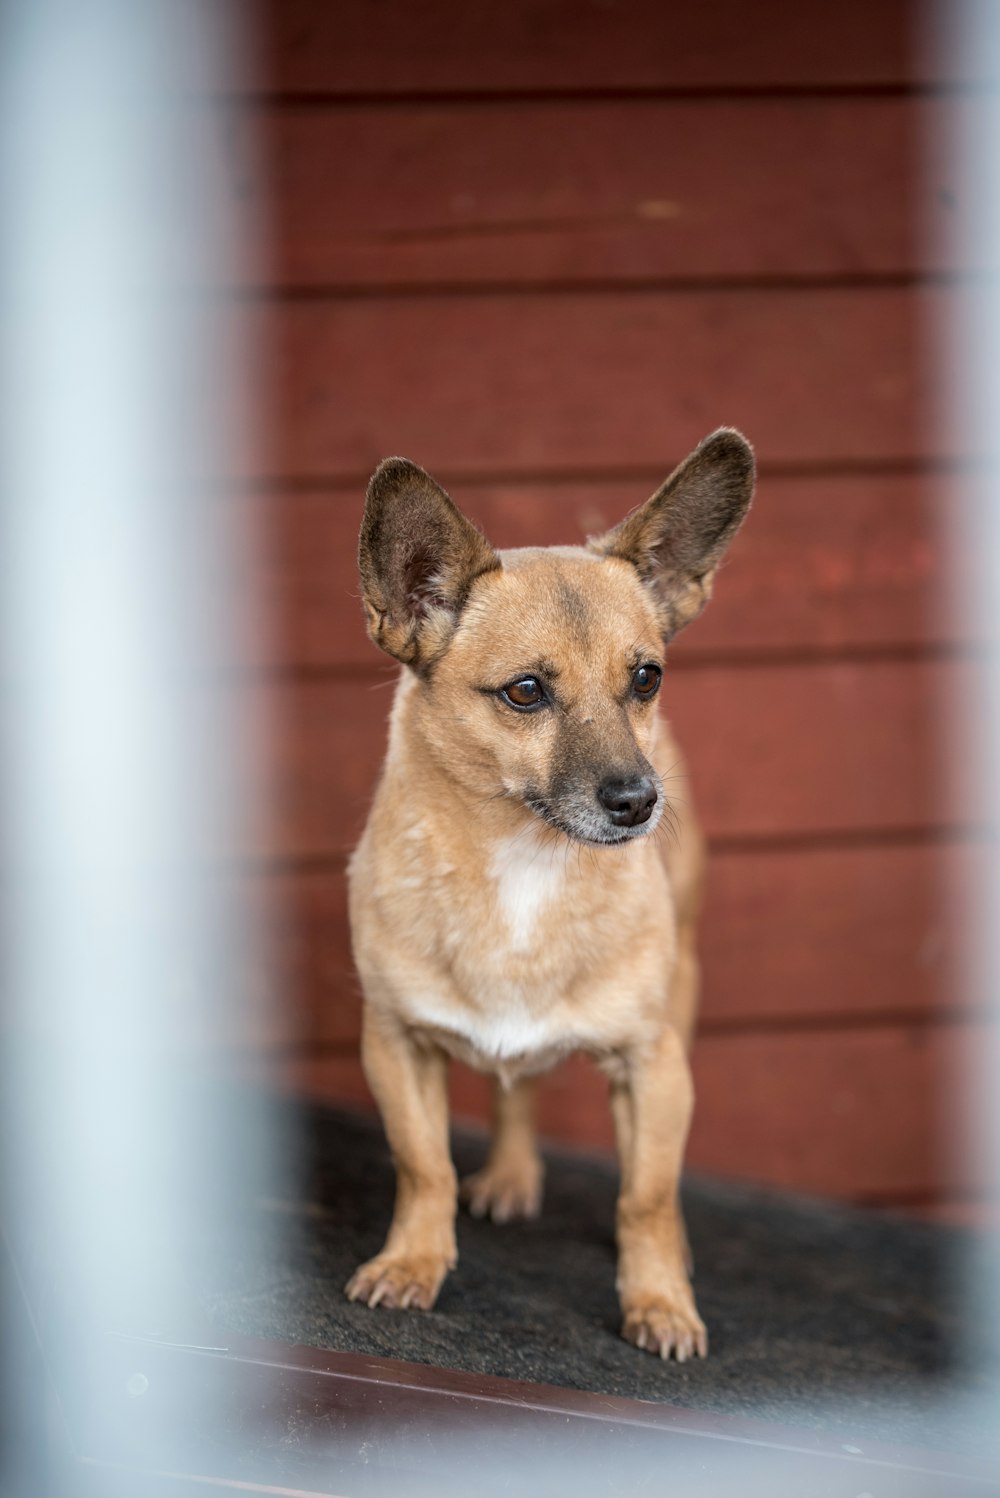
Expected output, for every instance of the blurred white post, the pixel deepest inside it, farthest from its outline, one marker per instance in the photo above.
(965, 38)
(119, 777)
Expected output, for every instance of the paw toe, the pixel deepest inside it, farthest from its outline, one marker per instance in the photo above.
(666, 1331)
(501, 1195)
(398, 1284)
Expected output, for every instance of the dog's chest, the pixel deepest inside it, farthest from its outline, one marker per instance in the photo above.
(514, 994)
(525, 877)
(508, 1037)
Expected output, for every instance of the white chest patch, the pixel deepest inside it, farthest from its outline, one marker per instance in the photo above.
(529, 874)
(510, 1031)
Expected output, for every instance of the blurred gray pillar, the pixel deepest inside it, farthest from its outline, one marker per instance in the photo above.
(964, 38)
(120, 778)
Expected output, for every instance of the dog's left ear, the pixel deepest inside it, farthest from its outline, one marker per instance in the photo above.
(677, 538)
(418, 557)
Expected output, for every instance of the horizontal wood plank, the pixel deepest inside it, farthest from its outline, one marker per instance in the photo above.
(857, 1114)
(838, 934)
(298, 987)
(356, 48)
(860, 1113)
(842, 935)
(823, 563)
(547, 384)
(774, 749)
(570, 192)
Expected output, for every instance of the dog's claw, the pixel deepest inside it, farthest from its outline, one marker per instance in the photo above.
(354, 1288)
(399, 1284)
(666, 1331)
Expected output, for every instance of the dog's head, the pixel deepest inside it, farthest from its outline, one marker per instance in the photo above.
(539, 668)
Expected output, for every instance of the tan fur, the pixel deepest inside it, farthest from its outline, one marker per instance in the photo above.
(487, 925)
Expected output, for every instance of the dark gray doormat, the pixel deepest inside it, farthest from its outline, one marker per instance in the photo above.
(819, 1316)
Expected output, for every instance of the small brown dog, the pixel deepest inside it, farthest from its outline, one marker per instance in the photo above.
(524, 727)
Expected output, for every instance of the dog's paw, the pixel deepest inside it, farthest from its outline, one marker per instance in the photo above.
(403, 1282)
(505, 1191)
(666, 1328)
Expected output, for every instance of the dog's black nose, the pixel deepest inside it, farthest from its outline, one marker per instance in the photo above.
(628, 802)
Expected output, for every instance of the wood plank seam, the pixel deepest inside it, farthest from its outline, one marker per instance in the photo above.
(338, 482)
(271, 293)
(296, 100)
(755, 1024)
(749, 843)
(689, 661)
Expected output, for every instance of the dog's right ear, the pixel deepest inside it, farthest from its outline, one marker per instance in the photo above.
(676, 540)
(418, 557)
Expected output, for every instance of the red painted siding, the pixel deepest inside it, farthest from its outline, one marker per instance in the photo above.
(543, 254)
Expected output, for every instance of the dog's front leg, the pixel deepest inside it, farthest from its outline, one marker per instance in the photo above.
(409, 1082)
(652, 1100)
(510, 1183)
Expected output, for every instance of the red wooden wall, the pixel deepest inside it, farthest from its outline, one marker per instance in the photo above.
(543, 248)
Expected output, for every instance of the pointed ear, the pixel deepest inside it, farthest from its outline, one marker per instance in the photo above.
(418, 557)
(676, 540)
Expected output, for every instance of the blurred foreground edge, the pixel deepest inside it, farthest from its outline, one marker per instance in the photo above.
(162, 1417)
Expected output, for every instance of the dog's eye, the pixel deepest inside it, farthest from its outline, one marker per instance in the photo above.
(645, 680)
(524, 693)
